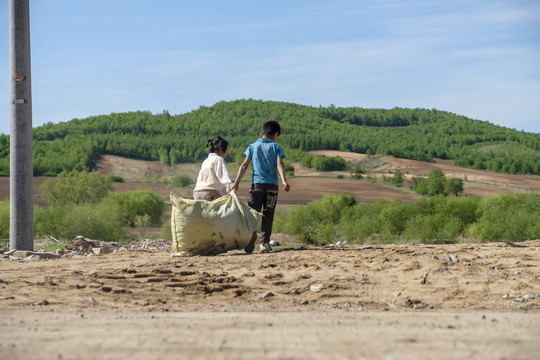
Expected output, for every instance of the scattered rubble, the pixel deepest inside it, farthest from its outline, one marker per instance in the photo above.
(316, 286)
(84, 247)
(524, 298)
(267, 294)
(453, 258)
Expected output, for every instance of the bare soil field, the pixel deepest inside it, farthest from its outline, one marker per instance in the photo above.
(309, 185)
(406, 301)
(474, 301)
(478, 182)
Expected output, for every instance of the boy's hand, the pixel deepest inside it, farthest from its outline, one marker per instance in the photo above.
(287, 187)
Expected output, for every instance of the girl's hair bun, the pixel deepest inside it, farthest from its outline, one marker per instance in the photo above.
(216, 144)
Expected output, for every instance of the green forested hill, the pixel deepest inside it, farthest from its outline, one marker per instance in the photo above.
(418, 134)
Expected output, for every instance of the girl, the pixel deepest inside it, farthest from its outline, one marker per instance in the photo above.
(213, 180)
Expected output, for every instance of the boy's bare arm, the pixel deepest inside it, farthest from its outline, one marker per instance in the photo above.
(281, 170)
(241, 172)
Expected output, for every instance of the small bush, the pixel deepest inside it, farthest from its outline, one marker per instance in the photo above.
(140, 202)
(510, 217)
(394, 217)
(433, 228)
(50, 220)
(77, 188)
(289, 169)
(356, 171)
(362, 221)
(181, 181)
(398, 178)
(98, 222)
(142, 222)
(436, 184)
(326, 163)
(116, 179)
(95, 221)
(317, 222)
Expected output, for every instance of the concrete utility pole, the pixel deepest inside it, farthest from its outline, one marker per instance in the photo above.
(21, 231)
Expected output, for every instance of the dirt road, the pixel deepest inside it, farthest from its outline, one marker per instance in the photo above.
(287, 334)
(476, 301)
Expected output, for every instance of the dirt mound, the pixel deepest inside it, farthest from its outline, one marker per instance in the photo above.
(82, 245)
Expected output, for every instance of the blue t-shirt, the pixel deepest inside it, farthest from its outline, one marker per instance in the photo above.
(264, 154)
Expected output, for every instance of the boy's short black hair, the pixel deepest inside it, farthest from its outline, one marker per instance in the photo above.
(270, 128)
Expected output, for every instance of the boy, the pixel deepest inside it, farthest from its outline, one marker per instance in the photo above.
(267, 158)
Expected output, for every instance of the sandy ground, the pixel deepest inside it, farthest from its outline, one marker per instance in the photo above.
(474, 301)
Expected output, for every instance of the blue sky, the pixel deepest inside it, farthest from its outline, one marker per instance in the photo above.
(92, 57)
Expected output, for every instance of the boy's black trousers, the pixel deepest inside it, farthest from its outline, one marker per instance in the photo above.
(263, 197)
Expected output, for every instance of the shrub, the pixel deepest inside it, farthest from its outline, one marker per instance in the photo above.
(77, 188)
(395, 216)
(140, 202)
(420, 186)
(294, 155)
(116, 179)
(463, 208)
(356, 171)
(50, 220)
(437, 184)
(435, 228)
(398, 178)
(142, 222)
(317, 222)
(325, 163)
(96, 221)
(438, 219)
(181, 181)
(289, 169)
(454, 186)
(510, 217)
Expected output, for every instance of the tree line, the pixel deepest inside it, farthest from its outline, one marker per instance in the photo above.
(418, 134)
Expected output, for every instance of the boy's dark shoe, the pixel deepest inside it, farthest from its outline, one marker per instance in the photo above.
(249, 247)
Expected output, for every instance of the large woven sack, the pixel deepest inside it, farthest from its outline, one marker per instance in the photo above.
(201, 227)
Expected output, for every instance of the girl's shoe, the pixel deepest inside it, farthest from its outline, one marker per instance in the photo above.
(265, 247)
